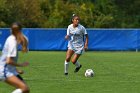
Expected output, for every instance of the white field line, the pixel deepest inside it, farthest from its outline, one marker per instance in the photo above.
(90, 80)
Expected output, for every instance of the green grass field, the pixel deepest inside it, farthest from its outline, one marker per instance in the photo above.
(115, 72)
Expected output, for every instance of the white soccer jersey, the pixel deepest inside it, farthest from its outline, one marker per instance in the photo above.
(9, 50)
(77, 36)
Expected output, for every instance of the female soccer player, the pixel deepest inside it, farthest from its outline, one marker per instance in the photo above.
(8, 60)
(76, 44)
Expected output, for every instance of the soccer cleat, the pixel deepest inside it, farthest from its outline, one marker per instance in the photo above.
(77, 69)
(65, 74)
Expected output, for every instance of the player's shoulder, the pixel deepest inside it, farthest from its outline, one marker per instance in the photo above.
(11, 38)
(81, 26)
(71, 25)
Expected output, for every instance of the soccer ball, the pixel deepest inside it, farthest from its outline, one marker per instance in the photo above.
(89, 73)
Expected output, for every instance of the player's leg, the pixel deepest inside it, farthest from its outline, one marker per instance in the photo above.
(18, 76)
(67, 60)
(76, 63)
(69, 55)
(20, 86)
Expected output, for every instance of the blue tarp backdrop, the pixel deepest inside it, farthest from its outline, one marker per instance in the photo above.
(99, 39)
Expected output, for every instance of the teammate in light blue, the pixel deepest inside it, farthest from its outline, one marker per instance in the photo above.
(76, 44)
(8, 60)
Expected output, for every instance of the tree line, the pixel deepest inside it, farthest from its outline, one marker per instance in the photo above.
(58, 13)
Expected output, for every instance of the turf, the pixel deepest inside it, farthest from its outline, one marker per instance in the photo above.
(115, 72)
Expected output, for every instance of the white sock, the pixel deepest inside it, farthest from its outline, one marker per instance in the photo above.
(66, 66)
(77, 64)
(17, 91)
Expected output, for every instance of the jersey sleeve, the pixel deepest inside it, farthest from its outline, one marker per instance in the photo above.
(68, 31)
(12, 48)
(84, 30)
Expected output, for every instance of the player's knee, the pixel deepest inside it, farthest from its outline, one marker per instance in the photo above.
(68, 59)
(73, 61)
(25, 89)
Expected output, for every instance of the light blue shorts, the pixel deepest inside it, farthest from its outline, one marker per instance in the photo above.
(77, 50)
(5, 73)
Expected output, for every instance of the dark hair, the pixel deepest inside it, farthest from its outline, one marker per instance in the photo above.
(73, 16)
(18, 24)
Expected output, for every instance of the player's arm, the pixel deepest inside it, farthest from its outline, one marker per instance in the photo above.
(20, 71)
(67, 37)
(86, 42)
(68, 33)
(86, 39)
(12, 52)
(10, 61)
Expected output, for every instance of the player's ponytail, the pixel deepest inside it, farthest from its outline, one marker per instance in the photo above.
(16, 31)
(23, 41)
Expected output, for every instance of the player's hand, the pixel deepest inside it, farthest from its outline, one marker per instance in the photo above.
(86, 48)
(66, 37)
(24, 64)
(20, 71)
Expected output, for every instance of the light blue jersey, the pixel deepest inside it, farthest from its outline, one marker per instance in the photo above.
(9, 50)
(76, 42)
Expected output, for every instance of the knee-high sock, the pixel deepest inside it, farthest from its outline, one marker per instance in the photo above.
(17, 91)
(66, 66)
(77, 64)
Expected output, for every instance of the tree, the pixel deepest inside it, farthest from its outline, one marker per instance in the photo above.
(25, 11)
(3, 13)
(58, 13)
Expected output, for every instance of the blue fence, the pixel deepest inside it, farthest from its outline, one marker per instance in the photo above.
(99, 39)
